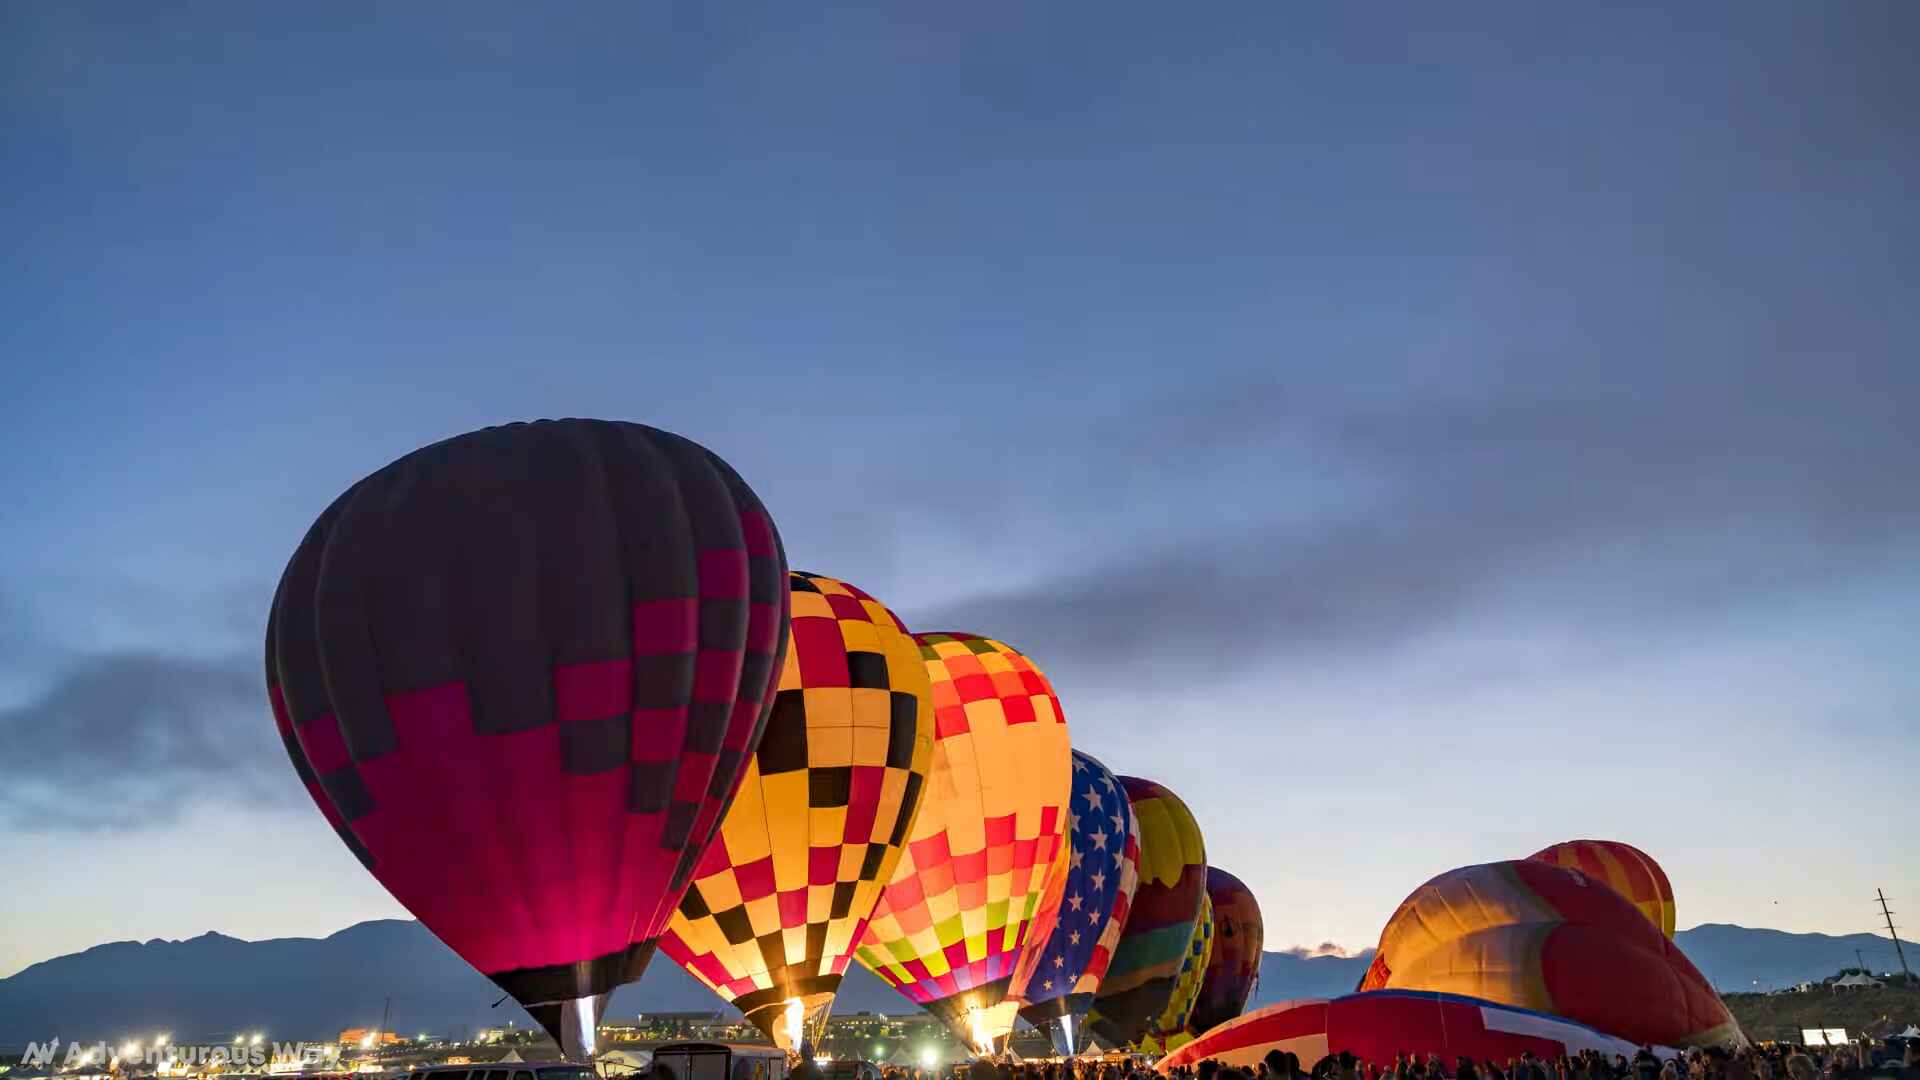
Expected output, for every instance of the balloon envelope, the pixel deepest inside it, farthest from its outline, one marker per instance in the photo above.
(784, 892)
(1541, 937)
(1169, 1029)
(1160, 922)
(1234, 966)
(992, 827)
(1057, 975)
(1632, 873)
(1382, 1024)
(521, 672)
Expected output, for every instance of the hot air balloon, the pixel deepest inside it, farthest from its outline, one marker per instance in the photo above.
(1542, 937)
(1057, 975)
(991, 829)
(1160, 922)
(522, 671)
(1233, 969)
(1380, 1025)
(784, 892)
(1169, 1029)
(1632, 873)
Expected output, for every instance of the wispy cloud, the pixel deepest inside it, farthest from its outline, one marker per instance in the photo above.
(1325, 948)
(132, 740)
(1614, 499)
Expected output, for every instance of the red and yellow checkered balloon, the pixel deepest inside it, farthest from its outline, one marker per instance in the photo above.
(783, 894)
(964, 898)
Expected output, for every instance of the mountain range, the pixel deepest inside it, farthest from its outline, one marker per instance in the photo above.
(209, 988)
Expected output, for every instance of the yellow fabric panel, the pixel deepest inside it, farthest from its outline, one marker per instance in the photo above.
(1456, 903)
(1170, 839)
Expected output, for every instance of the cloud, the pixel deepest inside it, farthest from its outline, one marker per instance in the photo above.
(1601, 499)
(1325, 948)
(129, 740)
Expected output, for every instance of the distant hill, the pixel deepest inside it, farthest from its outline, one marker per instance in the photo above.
(1289, 975)
(1740, 958)
(210, 987)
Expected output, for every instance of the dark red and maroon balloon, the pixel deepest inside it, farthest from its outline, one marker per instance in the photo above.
(522, 671)
(1233, 967)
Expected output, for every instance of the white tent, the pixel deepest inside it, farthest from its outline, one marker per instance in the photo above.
(632, 1060)
(1856, 980)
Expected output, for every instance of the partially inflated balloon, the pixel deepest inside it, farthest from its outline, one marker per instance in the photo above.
(784, 892)
(1381, 1025)
(1170, 1027)
(992, 827)
(1160, 923)
(1632, 873)
(1234, 967)
(1058, 974)
(521, 672)
(1554, 940)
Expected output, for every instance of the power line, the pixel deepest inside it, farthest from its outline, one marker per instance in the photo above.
(1887, 914)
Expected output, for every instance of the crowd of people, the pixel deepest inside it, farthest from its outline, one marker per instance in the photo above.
(1771, 1062)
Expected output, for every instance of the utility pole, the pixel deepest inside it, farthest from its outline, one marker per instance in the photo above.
(1861, 961)
(1887, 914)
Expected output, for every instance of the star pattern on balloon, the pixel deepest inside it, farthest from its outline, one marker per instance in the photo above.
(1077, 952)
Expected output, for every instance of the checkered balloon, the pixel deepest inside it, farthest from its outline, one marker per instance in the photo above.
(991, 830)
(784, 893)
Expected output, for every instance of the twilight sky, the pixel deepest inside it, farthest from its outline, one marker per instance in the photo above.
(1416, 434)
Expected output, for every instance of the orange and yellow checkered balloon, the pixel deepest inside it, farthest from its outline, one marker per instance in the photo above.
(964, 898)
(782, 896)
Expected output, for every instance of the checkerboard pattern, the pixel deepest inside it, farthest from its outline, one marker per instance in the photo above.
(1170, 1030)
(783, 895)
(1632, 873)
(962, 901)
(521, 672)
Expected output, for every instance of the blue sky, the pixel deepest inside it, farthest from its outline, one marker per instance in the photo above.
(1415, 434)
